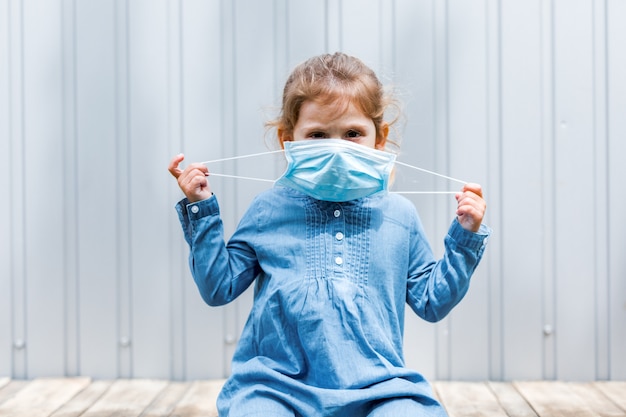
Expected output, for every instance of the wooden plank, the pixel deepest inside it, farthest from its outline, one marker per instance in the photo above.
(615, 390)
(553, 398)
(74, 397)
(596, 400)
(12, 388)
(510, 400)
(199, 401)
(83, 400)
(42, 396)
(126, 398)
(167, 401)
(473, 399)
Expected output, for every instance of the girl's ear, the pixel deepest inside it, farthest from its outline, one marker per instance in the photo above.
(283, 137)
(381, 140)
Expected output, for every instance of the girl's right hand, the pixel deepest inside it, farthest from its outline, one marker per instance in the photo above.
(193, 180)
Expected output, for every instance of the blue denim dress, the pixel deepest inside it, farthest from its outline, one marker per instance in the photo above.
(331, 281)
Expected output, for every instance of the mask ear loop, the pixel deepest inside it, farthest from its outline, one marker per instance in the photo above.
(241, 157)
(282, 150)
(432, 173)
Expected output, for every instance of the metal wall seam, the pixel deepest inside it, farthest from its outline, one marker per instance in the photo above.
(176, 141)
(616, 132)
(123, 234)
(601, 244)
(494, 186)
(548, 297)
(441, 123)
(6, 305)
(229, 72)
(17, 167)
(574, 171)
(70, 191)
(334, 19)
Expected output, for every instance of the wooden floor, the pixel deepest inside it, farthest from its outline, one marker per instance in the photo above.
(72, 397)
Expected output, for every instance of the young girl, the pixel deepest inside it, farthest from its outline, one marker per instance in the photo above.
(334, 258)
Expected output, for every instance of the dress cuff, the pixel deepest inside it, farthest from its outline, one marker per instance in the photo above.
(471, 240)
(193, 211)
(202, 208)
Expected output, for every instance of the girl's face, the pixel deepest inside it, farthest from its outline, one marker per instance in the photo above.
(319, 121)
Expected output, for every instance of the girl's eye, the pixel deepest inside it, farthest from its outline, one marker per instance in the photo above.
(317, 135)
(353, 134)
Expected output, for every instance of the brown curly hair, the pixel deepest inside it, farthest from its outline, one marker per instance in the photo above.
(334, 79)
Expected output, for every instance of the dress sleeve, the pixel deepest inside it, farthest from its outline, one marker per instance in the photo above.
(436, 286)
(221, 271)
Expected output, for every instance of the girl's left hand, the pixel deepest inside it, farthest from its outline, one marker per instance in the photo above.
(471, 207)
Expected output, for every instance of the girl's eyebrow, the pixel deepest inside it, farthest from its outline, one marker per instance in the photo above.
(323, 126)
(313, 125)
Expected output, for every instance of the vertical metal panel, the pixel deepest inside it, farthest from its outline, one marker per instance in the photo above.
(149, 208)
(70, 193)
(43, 148)
(600, 195)
(521, 143)
(124, 255)
(493, 186)
(96, 128)
(386, 61)
(17, 168)
(333, 29)
(204, 49)
(361, 30)
(254, 49)
(143, 289)
(5, 191)
(414, 76)
(176, 249)
(616, 100)
(522, 97)
(441, 136)
(466, 153)
(574, 136)
(305, 40)
(281, 59)
(547, 189)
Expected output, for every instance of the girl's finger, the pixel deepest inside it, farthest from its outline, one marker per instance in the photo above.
(173, 167)
(474, 188)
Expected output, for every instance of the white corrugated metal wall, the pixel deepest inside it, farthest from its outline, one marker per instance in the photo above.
(526, 97)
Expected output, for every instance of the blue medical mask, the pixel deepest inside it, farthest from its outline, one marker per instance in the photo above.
(336, 169)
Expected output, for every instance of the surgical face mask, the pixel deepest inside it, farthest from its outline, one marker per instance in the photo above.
(336, 169)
